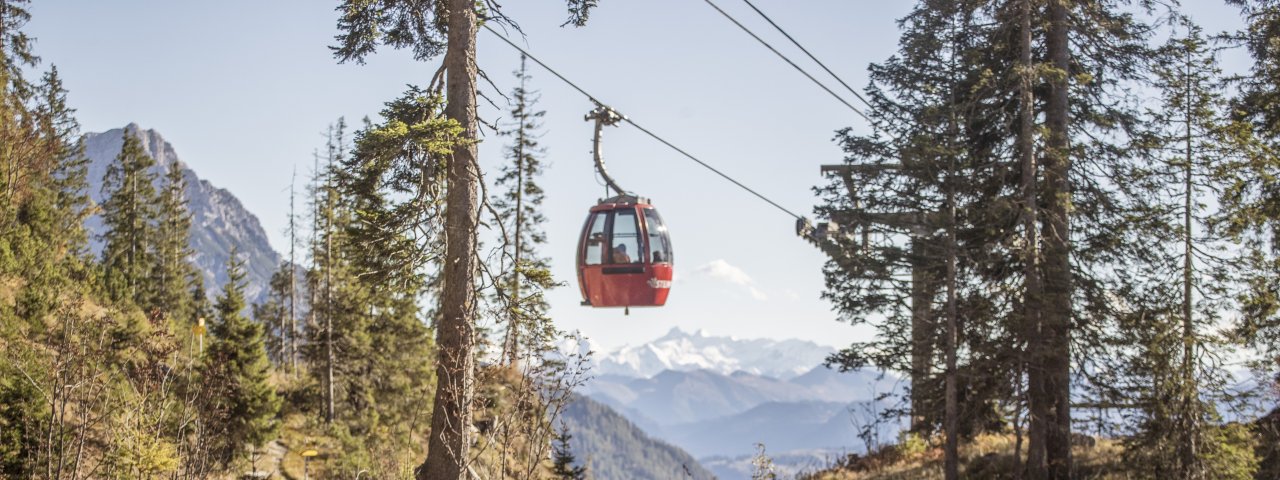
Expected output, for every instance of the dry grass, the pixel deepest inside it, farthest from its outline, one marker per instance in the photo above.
(987, 456)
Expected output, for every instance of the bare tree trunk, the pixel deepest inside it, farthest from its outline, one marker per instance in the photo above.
(513, 325)
(922, 329)
(1032, 285)
(293, 279)
(328, 299)
(951, 467)
(1188, 389)
(455, 367)
(1055, 410)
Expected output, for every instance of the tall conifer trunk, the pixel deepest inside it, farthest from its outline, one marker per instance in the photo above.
(1189, 389)
(328, 297)
(923, 288)
(513, 325)
(1032, 288)
(1052, 409)
(951, 468)
(951, 410)
(293, 279)
(455, 367)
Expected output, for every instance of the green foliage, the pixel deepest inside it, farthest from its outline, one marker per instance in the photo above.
(244, 399)
(169, 284)
(1230, 452)
(579, 11)
(68, 180)
(912, 444)
(562, 459)
(273, 313)
(138, 453)
(1249, 199)
(398, 170)
(1259, 100)
(524, 274)
(129, 214)
(420, 26)
(15, 46)
(20, 416)
(42, 236)
(934, 151)
(365, 308)
(1168, 365)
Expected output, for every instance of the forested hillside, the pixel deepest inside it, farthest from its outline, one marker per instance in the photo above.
(612, 448)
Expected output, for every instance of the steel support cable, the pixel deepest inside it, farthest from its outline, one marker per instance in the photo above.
(789, 62)
(642, 129)
(806, 52)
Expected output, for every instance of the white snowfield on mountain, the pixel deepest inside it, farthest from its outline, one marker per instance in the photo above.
(681, 351)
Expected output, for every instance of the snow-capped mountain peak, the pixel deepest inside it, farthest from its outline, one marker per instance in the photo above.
(682, 351)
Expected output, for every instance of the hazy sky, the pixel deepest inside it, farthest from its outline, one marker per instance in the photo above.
(244, 90)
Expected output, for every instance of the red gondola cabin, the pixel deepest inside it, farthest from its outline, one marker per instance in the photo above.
(624, 255)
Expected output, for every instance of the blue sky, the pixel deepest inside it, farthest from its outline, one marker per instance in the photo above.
(244, 90)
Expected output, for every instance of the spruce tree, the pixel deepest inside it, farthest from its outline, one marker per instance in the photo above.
(48, 238)
(272, 315)
(70, 174)
(129, 213)
(519, 211)
(562, 459)
(1251, 200)
(238, 357)
(15, 46)
(366, 307)
(291, 342)
(910, 202)
(172, 273)
(1178, 376)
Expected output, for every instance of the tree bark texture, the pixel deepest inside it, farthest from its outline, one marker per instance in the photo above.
(1032, 286)
(923, 287)
(1052, 413)
(450, 439)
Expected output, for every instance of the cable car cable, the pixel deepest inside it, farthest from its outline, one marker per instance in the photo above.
(645, 130)
(713, 169)
(789, 62)
(811, 57)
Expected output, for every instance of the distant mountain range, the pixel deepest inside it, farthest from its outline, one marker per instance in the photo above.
(675, 397)
(219, 220)
(682, 351)
(710, 397)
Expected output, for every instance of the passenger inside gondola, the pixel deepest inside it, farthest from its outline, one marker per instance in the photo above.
(620, 254)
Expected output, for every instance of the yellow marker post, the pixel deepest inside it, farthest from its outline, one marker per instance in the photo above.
(199, 331)
(306, 457)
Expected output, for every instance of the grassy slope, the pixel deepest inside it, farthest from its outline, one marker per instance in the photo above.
(988, 456)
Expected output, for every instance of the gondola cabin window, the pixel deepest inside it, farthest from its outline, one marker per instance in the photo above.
(596, 239)
(659, 241)
(626, 238)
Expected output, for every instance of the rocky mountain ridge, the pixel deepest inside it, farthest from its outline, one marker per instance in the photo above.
(218, 220)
